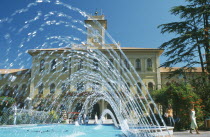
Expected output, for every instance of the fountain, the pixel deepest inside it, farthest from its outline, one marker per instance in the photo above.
(107, 111)
(15, 114)
(88, 71)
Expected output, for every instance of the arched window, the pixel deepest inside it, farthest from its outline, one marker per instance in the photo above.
(80, 66)
(96, 35)
(15, 91)
(52, 88)
(139, 85)
(150, 86)
(80, 86)
(41, 88)
(64, 87)
(109, 84)
(42, 67)
(111, 63)
(95, 64)
(138, 64)
(53, 65)
(65, 65)
(149, 64)
(7, 90)
(24, 88)
(70, 66)
(128, 86)
(96, 86)
(127, 64)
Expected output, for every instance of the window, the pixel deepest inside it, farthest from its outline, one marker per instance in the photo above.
(70, 66)
(95, 64)
(7, 90)
(109, 84)
(111, 63)
(15, 91)
(42, 67)
(65, 65)
(53, 65)
(24, 87)
(41, 87)
(128, 86)
(23, 92)
(52, 88)
(80, 66)
(64, 87)
(150, 86)
(96, 35)
(139, 85)
(149, 64)
(127, 64)
(96, 86)
(138, 64)
(80, 86)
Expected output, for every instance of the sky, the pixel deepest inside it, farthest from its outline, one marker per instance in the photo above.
(131, 22)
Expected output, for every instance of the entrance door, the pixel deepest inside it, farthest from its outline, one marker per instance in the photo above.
(96, 110)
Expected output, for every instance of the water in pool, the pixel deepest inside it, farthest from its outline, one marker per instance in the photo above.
(61, 131)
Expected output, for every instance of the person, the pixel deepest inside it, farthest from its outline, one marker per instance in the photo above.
(169, 116)
(193, 124)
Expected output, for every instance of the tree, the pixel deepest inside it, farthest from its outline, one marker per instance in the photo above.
(193, 37)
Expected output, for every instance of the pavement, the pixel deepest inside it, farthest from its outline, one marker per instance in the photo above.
(187, 134)
(175, 133)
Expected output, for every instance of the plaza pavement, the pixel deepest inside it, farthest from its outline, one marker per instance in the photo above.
(187, 134)
(175, 133)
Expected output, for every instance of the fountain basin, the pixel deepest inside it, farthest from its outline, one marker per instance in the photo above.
(151, 131)
(60, 130)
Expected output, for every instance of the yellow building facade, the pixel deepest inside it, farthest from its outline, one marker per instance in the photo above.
(52, 68)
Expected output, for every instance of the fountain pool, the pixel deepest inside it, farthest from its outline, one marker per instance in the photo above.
(60, 130)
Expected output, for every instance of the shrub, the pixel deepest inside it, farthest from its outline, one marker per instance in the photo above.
(181, 97)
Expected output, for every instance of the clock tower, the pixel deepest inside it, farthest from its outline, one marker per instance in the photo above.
(96, 26)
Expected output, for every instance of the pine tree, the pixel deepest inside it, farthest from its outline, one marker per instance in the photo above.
(193, 36)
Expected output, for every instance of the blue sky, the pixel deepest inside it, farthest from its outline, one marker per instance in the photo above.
(133, 23)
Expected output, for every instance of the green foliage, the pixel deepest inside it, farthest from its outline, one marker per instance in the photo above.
(202, 89)
(6, 102)
(181, 97)
(52, 117)
(149, 69)
(193, 35)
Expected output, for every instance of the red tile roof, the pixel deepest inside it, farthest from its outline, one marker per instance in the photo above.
(8, 71)
(168, 69)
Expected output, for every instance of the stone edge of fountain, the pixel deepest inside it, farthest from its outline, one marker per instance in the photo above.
(166, 131)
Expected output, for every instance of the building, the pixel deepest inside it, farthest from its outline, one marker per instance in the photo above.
(52, 68)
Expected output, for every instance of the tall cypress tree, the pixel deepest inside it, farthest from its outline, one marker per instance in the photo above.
(193, 35)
